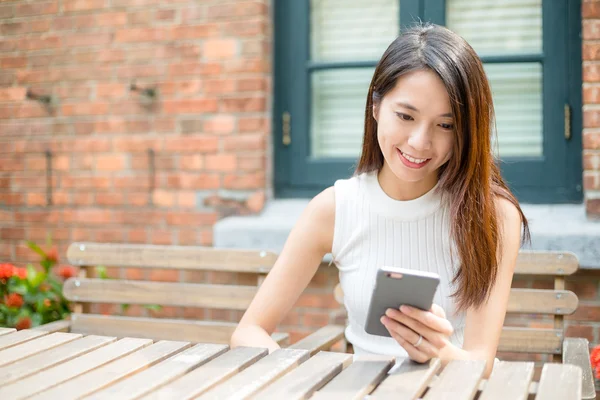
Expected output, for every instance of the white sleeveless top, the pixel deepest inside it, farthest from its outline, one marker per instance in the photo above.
(372, 230)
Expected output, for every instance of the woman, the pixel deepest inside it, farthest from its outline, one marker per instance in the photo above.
(427, 195)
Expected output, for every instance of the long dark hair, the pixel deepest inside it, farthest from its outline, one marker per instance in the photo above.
(471, 177)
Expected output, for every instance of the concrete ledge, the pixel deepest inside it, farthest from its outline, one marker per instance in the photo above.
(553, 227)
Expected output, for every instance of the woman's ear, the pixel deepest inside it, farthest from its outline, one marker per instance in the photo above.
(375, 113)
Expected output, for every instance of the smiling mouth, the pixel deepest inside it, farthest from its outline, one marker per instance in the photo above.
(413, 159)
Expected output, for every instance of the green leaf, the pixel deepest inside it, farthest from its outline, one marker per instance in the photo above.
(101, 272)
(46, 264)
(35, 278)
(36, 319)
(124, 308)
(36, 248)
(153, 307)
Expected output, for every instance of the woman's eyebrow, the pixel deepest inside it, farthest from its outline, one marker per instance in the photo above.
(411, 107)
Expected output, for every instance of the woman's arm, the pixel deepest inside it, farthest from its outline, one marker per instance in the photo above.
(484, 325)
(310, 239)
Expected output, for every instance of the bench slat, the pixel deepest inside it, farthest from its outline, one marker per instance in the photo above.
(63, 325)
(161, 374)
(61, 373)
(256, 377)
(170, 257)
(110, 373)
(540, 301)
(32, 347)
(532, 262)
(322, 339)
(509, 381)
(407, 380)
(576, 351)
(559, 382)
(458, 381)
(531, 340)
(208, 376)
(50, 358)
(19, 337)
(310, 376)
(6, 331)
(158, 328)
(356, 381)
(117, 291)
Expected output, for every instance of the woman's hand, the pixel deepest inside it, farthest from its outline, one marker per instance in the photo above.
(423, 334)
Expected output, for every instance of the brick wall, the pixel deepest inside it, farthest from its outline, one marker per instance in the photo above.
(209, 63)
(591, 105)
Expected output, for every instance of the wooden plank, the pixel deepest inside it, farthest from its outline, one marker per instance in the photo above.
(158, 328)
(532, 262)
(161, 374)
(458, 381)
(320, 340)
(256, 377)
(6, 331)
(407, 380)
(531, 340)
(303, 381)
(32, 347)
(119, 291)
(113, 372)
(62, 325)
(576, 352)
(50, 358)
(19, 337)
(540, 301)
(559, 382)
(509, 380)
(171, 257)
(208, 376)
(56, 375)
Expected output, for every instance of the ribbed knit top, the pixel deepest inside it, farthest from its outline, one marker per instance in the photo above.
(373, 230)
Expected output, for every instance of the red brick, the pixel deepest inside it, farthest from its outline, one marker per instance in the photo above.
(591, 29)
(190, 106)
(142, 35)
(192, 181)
(256, 201)
(159, 236)
(163, 198)
(81, 182)
(238, 10)
(246, 28)
(7, 11)
(195, 68)
(246, 181)
(586, 312)
(12, 233)
(192, 144)
(112, 19)
(591, 180)
(110, 90)
(137, 235)
(591, 139)
(187, 237)
(13, 62)
(84, 109)
(256, 65)
(137, 199)
(109, 235)
(20, 28)
(244, 143)
(243, 104)
(191, 218)
(219, 49)
(252, 85)
(94, 39)
(38, 8)
(316, 319)
(193, 162)
(590, 9)
(206, 237)
(12, 94)
(220, 125)
(109, 199)
(203, 31)
(88, 216)
(221, 162)
(83, 199)
(251, 162)
(83, 5)
(580, 331)
(219, 86)
(112, 162)
(137, 144)
(92, 145)
(592, 208)
(591, 51)
(36, 199)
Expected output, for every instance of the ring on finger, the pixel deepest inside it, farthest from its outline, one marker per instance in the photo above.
(418, 343)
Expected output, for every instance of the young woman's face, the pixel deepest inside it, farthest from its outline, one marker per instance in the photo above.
(415, 127)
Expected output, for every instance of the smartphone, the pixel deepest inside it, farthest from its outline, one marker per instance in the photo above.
(395, 287)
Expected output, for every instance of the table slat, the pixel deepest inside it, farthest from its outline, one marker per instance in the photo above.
(208, 376)
(356, 381)
(6, 331)
(19, 337)
(310, 376)
(509, 380)
(459, 380)
(559, 382)
(115, 371)
(408, 380)
(61, 373)
(35, 346)
(161, 374)
(258, 376)
(49, 358)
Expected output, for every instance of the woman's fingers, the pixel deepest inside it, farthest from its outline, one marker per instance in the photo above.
(407, 339)
(427, 318)
(436, 338)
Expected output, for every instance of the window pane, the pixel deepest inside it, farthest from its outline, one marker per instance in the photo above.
(517, 92)
(338, 103)
(355, 30)
(497, 27)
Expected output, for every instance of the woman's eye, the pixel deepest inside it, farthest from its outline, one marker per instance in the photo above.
(404, 117)
(447, 126)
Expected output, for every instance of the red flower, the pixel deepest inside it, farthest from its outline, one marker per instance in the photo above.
(595, 360)
(20, 272)
(6, 271)
(14, 300)
(52, 255)
(47, 302)
(66, 271)
(23, 323)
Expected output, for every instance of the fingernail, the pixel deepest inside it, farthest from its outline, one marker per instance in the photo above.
(388, 312)
(383, 320)
(405, 309)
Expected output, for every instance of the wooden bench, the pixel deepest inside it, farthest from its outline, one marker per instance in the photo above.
(556, 303)
(86, 289)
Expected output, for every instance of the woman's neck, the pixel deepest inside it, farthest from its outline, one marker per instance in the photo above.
(402, 190)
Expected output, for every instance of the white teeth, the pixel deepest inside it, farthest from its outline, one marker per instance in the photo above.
(413, 160)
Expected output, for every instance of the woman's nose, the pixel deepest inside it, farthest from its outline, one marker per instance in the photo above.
(420, 139)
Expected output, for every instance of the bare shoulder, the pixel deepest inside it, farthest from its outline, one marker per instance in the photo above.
(507, 213)
(317, 222)
(323, 204)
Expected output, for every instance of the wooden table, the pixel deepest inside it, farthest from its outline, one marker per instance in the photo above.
(38, 365)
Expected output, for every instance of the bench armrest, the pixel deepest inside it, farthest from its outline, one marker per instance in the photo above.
(576, 351)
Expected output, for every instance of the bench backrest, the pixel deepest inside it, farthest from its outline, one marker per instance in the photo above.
(556, 302)
(86, 289)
